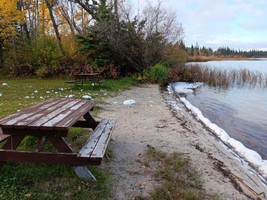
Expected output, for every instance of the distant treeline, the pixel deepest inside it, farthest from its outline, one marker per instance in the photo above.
(224, 51)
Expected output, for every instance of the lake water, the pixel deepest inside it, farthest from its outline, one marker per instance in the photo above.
(241, 111)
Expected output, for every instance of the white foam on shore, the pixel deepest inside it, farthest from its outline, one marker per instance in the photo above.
(251, 156)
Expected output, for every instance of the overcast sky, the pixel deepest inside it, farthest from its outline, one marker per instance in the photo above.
(238, 24)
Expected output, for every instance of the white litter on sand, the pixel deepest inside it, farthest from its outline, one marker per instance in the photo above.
(129, 102)
(87, 97)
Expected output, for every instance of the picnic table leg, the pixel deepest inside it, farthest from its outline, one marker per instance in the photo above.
(12, 143)
(76, 81)
(62, 146)
(40, 144)
(90, 120)
(83, 172)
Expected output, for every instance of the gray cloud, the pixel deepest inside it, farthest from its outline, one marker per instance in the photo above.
(216, 23)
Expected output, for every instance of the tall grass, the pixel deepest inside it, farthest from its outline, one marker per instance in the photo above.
(223, 78)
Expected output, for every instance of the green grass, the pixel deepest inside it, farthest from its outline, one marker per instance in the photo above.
(179, 179)
(22, 93)
(44, 181)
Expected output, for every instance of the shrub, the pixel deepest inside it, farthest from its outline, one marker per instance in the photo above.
(159, 74)
(110, 71)
(181, 73)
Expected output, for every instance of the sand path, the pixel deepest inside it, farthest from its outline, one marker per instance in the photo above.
(170, 128)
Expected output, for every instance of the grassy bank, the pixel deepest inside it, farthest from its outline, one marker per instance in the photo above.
(177, 178)
(22, 93)
(214, 58)
(43, 181)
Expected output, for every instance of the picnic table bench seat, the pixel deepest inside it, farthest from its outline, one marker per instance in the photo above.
(101, 81)
(71, 81)
(96, 145)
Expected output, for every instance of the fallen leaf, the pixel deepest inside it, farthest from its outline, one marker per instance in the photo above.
(144, 183)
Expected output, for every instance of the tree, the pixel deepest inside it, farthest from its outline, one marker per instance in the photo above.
(49, 6)
(10, 18)
(139, 42)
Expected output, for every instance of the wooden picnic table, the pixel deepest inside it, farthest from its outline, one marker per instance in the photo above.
(51, 120)
(84, 76)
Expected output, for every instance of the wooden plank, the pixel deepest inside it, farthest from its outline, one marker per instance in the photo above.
(40, 144)
(70, 114)
(100, 136)
(90, 120)
(73, 81)
(13, 142)
(2, 136)
(60, 144)
(26, 112)
(82, 124)
(102, 144)
(52, 115)
(101, 81)
(44, 111)
(44, 157)
(51, 133)
(89, 146)
(76, 115)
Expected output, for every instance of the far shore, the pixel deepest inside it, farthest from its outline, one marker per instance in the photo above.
(216, 58)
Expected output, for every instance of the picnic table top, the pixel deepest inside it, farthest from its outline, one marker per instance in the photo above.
(53, 114)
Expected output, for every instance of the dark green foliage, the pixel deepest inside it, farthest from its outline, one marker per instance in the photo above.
(30, 58)
(159, 74)
(98, 52)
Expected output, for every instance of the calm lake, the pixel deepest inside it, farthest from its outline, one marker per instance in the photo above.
(240, 110)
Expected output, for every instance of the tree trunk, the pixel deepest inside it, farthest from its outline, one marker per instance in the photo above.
(38, 22)
(24, 26)
(1, 54)
(55, 26)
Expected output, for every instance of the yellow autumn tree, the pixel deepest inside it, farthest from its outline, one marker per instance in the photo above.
(10, 18)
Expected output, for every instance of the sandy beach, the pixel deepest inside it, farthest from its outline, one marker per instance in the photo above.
(161, 121)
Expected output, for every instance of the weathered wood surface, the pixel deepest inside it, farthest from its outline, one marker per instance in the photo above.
(2, 136)
(86, 76)
(53, 114)
(72, 81)
(95, 147)
(101, 81)
(44, 157)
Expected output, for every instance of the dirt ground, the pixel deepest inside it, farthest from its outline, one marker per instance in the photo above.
(161, 121)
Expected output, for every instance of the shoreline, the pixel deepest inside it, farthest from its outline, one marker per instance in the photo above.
(138, 126)
(215, 58)
(253, 158)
